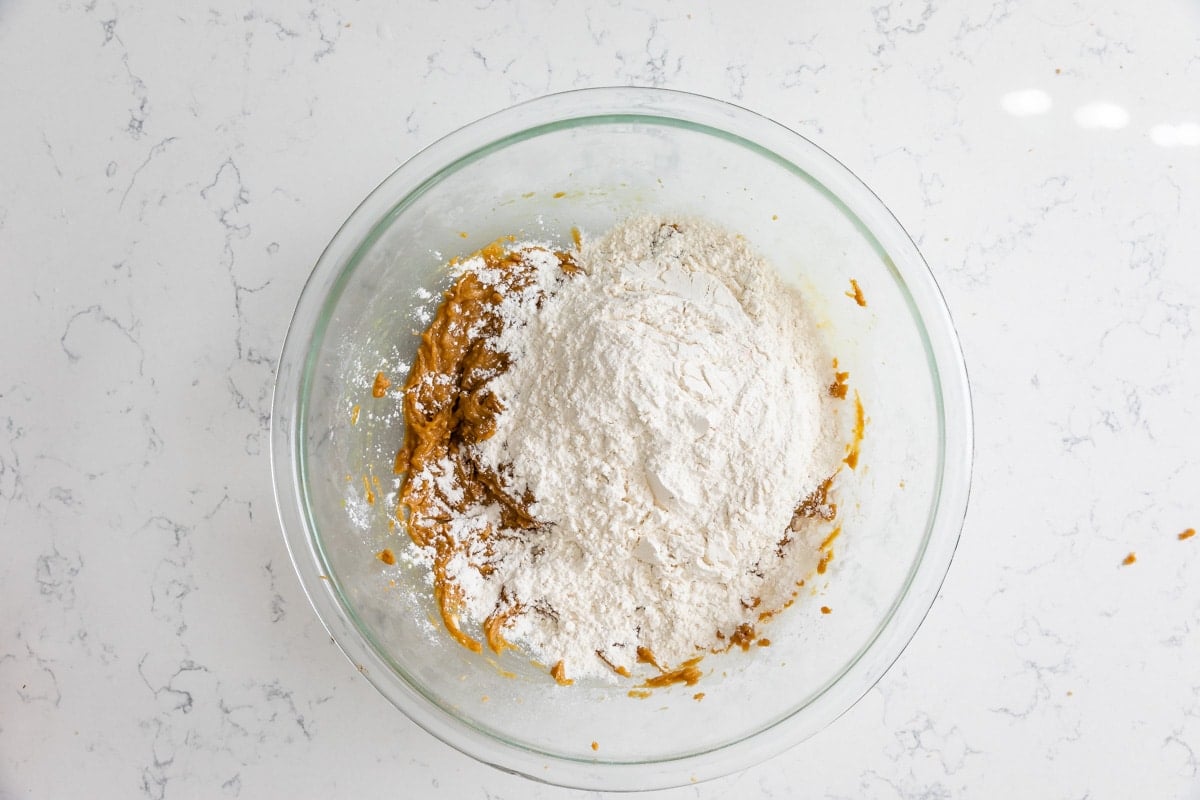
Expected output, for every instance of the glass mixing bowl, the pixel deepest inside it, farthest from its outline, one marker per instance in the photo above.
(589, 159)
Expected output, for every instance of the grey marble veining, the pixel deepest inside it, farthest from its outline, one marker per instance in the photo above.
(170, 173)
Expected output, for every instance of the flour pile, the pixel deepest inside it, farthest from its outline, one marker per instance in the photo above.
(665, 412)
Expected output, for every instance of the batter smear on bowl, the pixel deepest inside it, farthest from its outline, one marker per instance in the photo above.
(619, 456)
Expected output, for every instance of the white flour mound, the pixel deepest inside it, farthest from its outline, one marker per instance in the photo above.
(668, 409)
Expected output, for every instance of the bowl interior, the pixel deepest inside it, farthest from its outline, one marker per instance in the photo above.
(591, 172)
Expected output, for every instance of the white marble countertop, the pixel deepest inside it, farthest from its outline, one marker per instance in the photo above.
(169, 174)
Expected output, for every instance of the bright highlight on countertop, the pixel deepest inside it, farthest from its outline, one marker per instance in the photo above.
(1026, 102)
(1185, 134)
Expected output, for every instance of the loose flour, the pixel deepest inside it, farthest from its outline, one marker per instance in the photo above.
(661, 416)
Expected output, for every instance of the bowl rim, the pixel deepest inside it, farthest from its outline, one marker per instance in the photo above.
(589, 106)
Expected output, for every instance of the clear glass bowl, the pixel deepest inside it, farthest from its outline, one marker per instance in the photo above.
(589, 159)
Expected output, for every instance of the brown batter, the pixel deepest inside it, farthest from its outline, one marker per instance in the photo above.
(860, 424)
(559, 673)
(447, 405)
(380, 387)
(857, 293)
(839, 386)
(686, 673)
(620, 670)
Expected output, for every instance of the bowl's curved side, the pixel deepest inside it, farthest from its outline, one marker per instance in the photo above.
(893, 245)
